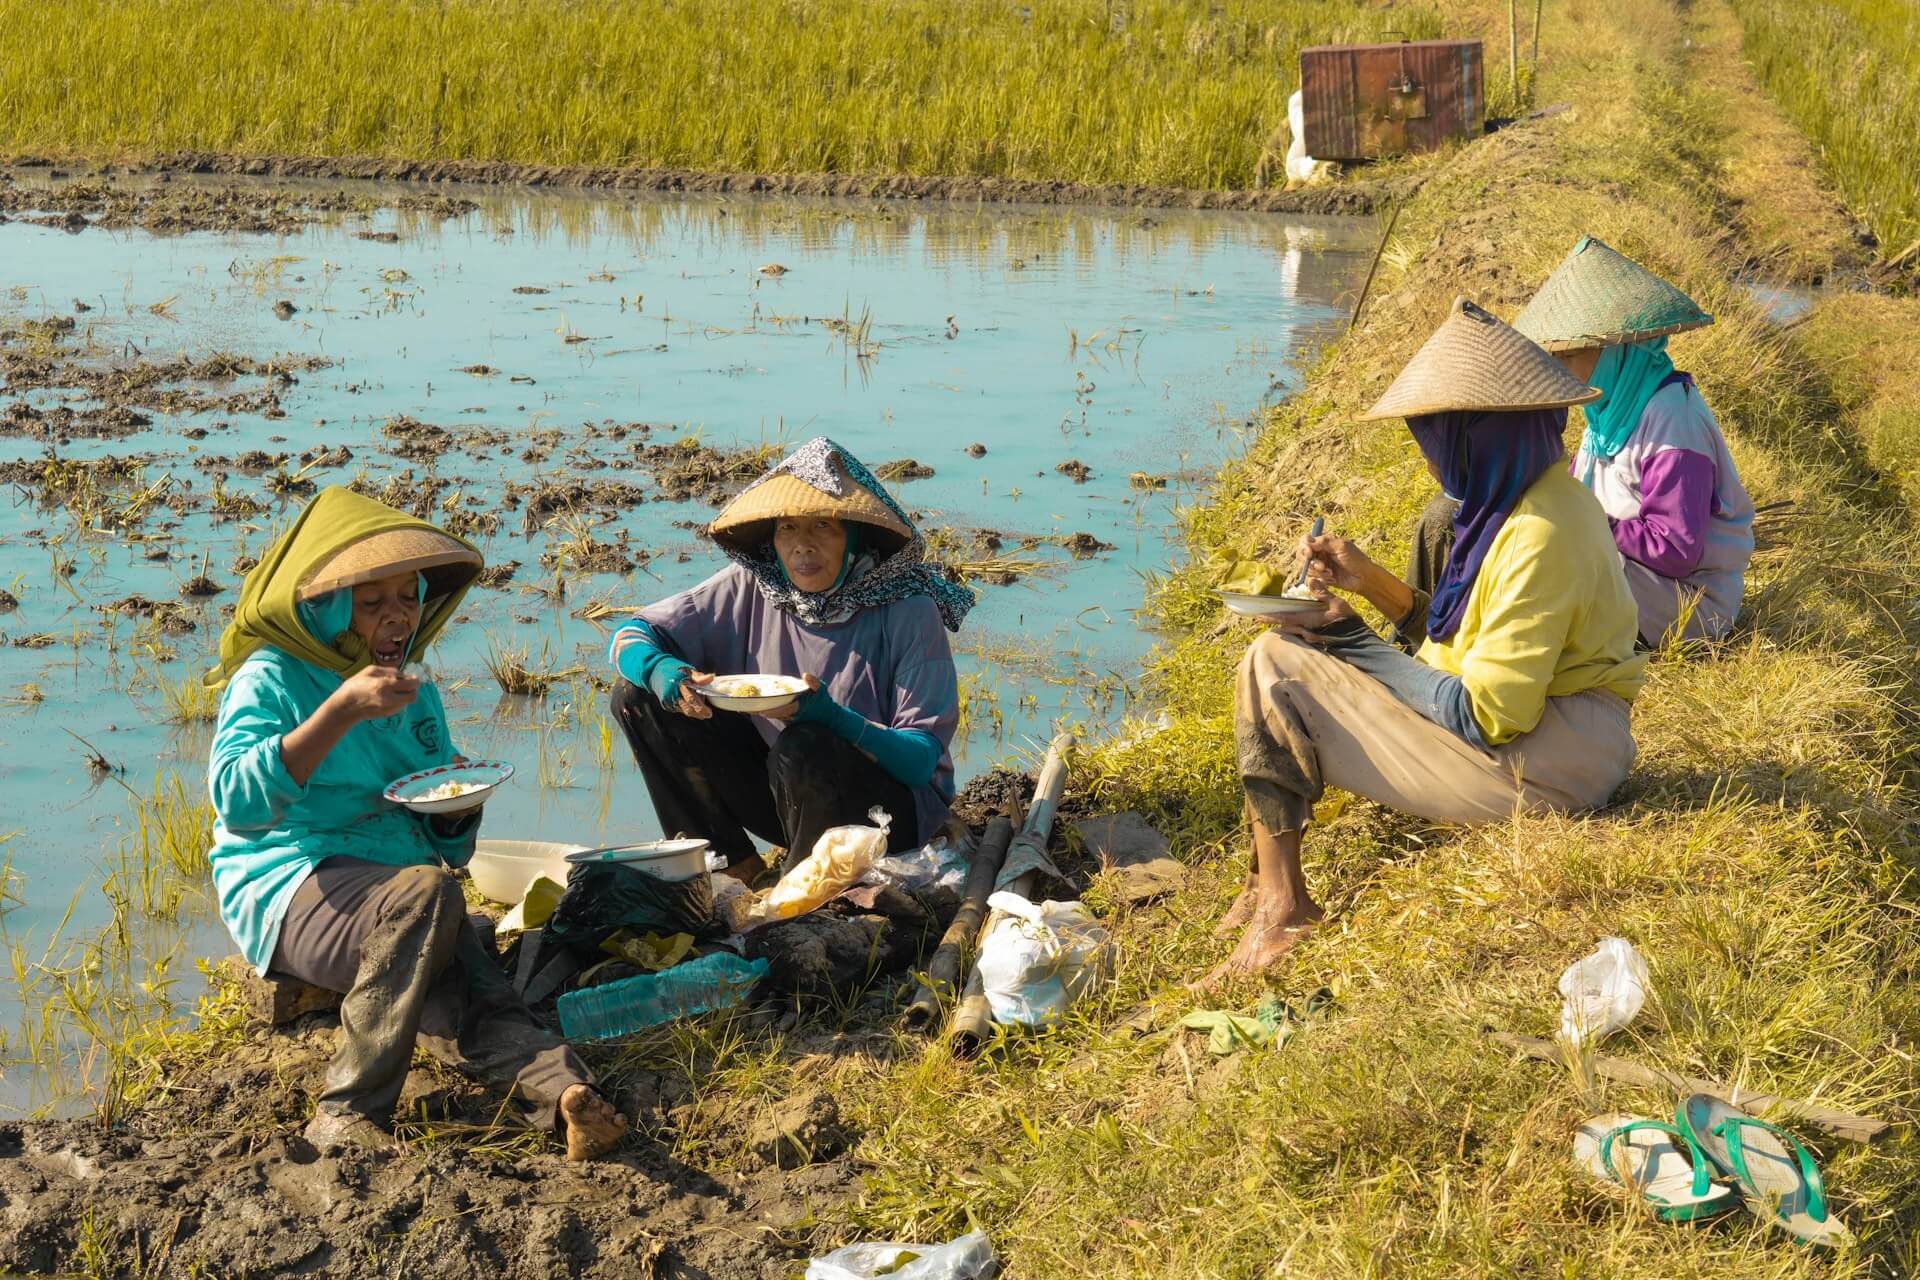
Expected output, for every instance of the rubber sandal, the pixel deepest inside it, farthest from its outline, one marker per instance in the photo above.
(1776, 1176)
(1655, 1161)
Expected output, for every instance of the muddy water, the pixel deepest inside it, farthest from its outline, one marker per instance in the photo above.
(552, 335)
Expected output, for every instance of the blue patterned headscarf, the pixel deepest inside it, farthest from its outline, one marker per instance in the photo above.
(870, 577)
(1487, 458)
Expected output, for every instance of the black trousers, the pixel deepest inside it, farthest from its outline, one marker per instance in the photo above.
(719, 780)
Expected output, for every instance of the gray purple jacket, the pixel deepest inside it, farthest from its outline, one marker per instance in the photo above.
(1681, 518)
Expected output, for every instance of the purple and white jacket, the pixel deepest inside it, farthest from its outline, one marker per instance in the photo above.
(1681, 518)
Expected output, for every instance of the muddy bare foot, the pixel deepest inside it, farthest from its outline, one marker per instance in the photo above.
(593, 1126)
(1238, 914)
(1269, 936)
(332, 1131)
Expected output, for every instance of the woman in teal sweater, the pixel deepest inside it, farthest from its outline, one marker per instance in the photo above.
(322, 880)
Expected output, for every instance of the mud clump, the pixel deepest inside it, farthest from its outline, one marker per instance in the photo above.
(1083, 545)
(1075, 470)
(589, 555)
(997, 793)
(170, 617)
(902, 469)
(8, 601)
(495, 577)
(550, 500)
(688, 471)
(200, 586)
(976, 450)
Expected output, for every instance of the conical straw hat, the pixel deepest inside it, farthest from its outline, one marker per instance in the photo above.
(1473, 361)
(748, 520)
(448, 563)
(1599, 296)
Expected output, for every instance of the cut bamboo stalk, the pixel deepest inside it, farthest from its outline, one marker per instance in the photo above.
(943, 971)
(973, 1020)
(1841, 1124)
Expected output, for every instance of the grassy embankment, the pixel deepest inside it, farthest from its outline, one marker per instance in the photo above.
(1761, 856)
(1172, 92)
(1848, 72)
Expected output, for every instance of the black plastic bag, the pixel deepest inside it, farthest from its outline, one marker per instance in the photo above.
(603, 898)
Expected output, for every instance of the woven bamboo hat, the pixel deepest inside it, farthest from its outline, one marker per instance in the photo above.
(1473, 361)
(1599, 296)
(448, 563)
(748, 520)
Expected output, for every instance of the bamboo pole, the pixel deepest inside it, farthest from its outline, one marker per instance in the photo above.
(1533, 66)
(1513, 51)
(943, 971)
(973, 1020)
(1840, 1124)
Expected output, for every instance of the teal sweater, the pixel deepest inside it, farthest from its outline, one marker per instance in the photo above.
(271, 832)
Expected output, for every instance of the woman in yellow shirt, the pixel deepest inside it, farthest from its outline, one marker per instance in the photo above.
(1518, 697)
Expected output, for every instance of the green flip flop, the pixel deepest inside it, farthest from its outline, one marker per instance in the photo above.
(1654, 1161)
(1777, 1177)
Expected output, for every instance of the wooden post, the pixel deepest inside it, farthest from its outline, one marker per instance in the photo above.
(1513, 51)
(1533, 67)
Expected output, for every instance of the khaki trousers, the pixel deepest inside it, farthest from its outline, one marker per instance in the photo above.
(1304, 721)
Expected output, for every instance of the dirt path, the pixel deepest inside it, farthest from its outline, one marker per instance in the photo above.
(1353, 197)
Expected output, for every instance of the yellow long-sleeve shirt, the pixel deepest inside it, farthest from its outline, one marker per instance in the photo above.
(1550, 613)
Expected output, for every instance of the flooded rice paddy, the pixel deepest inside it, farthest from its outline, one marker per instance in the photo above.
(575, 381)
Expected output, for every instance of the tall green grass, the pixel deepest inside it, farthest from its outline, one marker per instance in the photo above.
(1181, 92)
(1848, 72)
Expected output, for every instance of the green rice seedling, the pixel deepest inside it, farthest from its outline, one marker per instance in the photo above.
(190, 700)
(1848, 72)
(1177, 92)
(519, 674)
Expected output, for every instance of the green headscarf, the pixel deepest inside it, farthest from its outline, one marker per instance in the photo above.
(269, 612)
(1626, 375)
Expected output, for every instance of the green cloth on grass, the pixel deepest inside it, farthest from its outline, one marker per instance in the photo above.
(1271, 1024)
(268, 612)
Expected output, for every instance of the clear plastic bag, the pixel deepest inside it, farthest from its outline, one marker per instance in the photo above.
(934, 866)
(1602, 993)
(840, 857)
(1038, 958)
(970, 1257)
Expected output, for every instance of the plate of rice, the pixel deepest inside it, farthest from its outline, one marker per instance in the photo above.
(449, 788)
(1293, 600)
(755, 695)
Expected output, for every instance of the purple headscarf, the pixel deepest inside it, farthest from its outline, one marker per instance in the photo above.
(1486, 459)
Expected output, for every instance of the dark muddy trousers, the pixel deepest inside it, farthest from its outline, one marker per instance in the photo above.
(396, 942)
(718, 779)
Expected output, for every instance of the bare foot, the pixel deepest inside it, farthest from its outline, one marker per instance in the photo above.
(1269, 936)
(1238, 914)
(593, 1126)
(335, 1131)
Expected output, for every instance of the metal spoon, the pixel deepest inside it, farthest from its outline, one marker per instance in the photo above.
(1319, 527)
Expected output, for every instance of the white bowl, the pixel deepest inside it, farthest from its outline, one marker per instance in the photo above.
(502, 869)
(1253, 606)
(774, 693)
(681, 859)
(481, 775)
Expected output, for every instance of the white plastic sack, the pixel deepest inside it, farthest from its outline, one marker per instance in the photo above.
(1038, 958)
(1602, 993)
(935, 866)
(968, 1258)
(840, 857)
(1301, 167)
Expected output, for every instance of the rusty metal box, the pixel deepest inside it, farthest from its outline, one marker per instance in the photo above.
(1368, 100)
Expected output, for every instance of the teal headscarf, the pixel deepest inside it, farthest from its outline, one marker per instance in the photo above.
(1626, 376)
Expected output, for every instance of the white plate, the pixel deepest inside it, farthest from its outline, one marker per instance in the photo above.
(774, 692)
(668, 859)
(1253, 606)
(482, 775)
